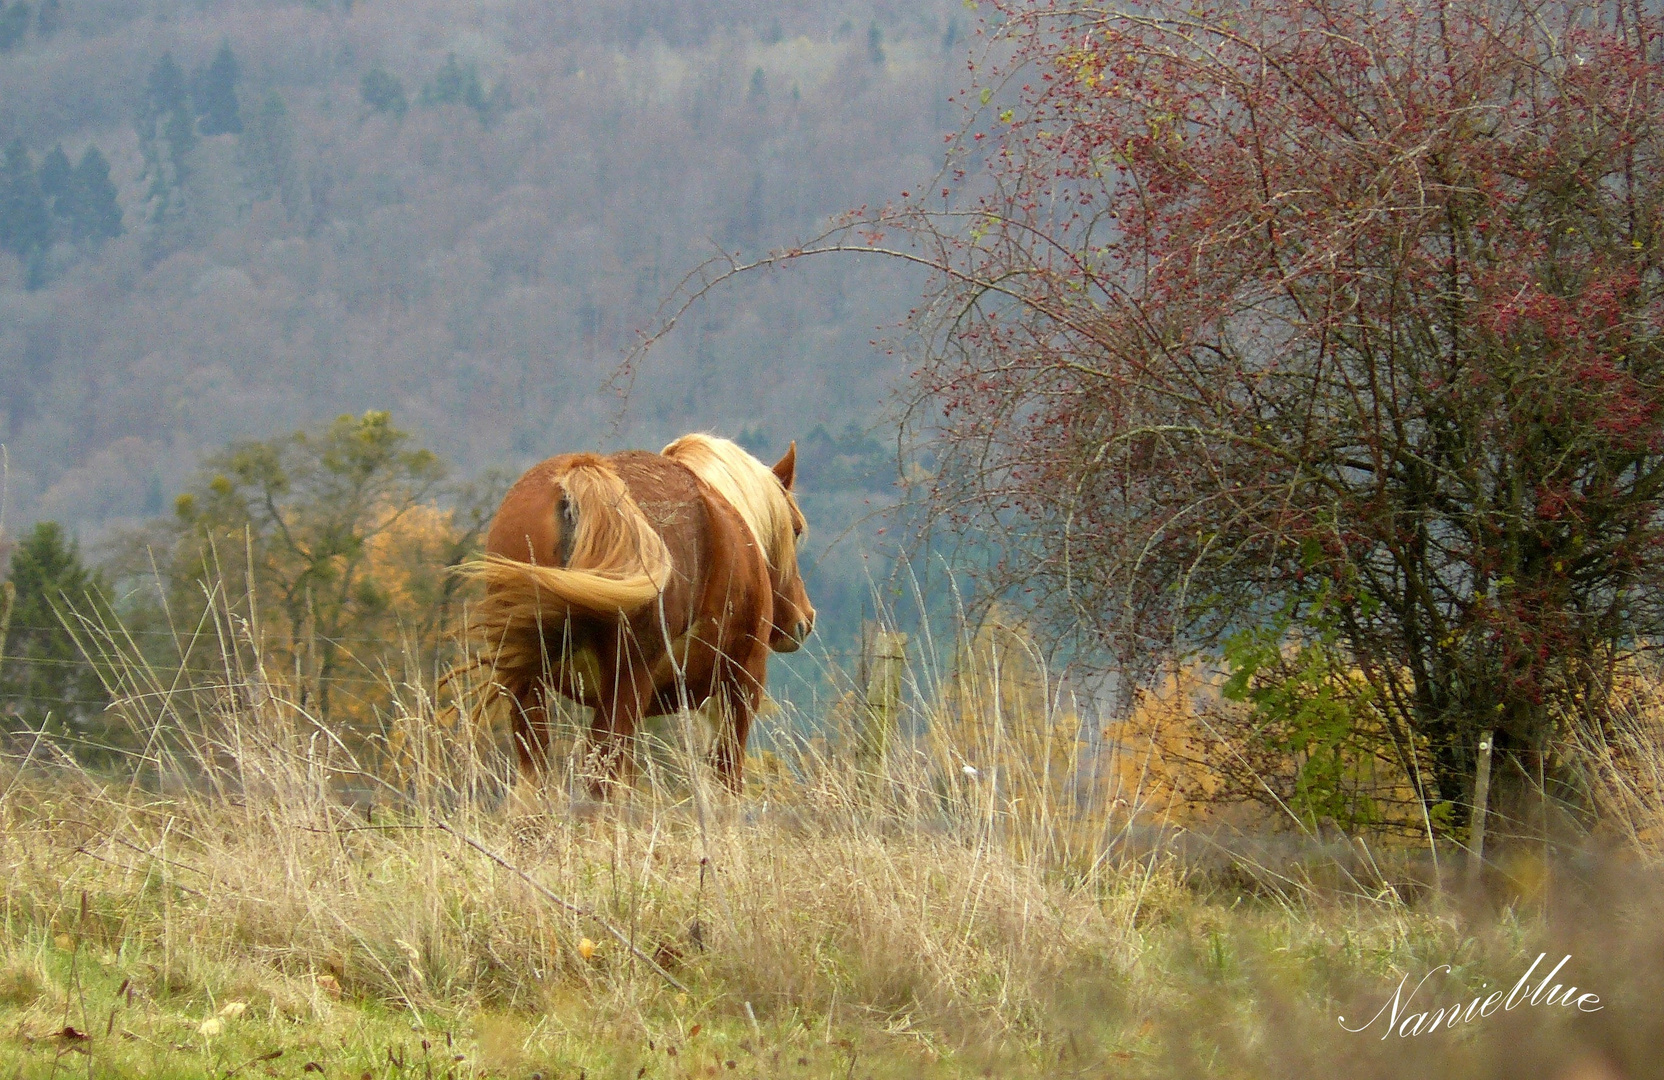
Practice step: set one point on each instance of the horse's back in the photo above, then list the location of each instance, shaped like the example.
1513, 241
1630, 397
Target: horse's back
670, 498
718, 572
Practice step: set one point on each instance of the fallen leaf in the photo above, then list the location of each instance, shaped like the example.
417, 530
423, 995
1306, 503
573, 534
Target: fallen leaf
586, 948
211, 1027
233, 1009
329, 984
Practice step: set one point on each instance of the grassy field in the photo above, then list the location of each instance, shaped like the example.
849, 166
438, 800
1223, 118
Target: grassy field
260, 898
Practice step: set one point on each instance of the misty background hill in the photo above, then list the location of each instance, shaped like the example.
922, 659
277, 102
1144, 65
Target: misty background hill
462, 214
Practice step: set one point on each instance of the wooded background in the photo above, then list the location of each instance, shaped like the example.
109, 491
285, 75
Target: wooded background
462, 217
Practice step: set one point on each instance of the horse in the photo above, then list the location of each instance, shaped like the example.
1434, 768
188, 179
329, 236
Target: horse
640, 584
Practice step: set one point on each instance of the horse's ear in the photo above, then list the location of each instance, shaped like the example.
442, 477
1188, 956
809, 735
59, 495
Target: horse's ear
786, 468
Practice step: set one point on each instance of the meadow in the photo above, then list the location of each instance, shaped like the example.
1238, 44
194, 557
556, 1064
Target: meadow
260, 892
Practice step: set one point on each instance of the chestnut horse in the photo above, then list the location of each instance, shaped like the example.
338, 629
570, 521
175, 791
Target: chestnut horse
640, 584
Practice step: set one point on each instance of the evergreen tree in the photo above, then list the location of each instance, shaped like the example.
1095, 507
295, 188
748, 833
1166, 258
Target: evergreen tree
216, 95
44, 679
455, 84
167, 134
383, 92
14, 23
24, 222
50, 19
56, 174
164, 90
268, 152
90, 204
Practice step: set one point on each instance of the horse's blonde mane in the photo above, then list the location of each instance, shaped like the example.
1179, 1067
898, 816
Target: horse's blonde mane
753, 490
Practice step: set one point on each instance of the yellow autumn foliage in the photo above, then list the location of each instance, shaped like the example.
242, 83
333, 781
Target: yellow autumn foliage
1007, 739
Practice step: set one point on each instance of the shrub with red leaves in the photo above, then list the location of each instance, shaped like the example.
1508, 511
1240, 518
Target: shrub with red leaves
1347, 309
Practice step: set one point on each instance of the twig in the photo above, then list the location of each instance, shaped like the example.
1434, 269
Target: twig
134, 870
269, 1055
562, 902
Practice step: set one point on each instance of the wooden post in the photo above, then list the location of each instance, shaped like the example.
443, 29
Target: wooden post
8, 596
1476, 823
885, 657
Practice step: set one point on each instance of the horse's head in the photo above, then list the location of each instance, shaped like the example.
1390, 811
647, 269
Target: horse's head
763, 497
794, 616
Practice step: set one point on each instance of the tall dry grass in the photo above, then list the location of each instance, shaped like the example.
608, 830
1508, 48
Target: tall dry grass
993, 893
405, 865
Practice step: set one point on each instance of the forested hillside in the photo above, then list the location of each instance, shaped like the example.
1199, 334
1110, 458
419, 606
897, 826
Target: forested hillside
233, 219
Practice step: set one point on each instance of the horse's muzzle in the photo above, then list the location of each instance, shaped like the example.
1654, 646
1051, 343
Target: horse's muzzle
793, 639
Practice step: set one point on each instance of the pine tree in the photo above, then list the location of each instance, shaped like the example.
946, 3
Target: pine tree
268, 152
44, 680
14, 24
455, 84
92, 208
167, 134
383, 92
24, 222
55, 176
216, 95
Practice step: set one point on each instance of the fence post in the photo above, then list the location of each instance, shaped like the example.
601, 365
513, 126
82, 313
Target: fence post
1476, 822
884, 657
8, 595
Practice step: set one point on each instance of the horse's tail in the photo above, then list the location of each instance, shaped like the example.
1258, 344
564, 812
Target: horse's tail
612, 564
615, 562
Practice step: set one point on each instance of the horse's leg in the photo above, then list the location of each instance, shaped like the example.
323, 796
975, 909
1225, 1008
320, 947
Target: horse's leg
739, 690
612, 733
530, 728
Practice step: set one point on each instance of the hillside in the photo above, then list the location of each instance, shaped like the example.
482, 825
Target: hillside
461, 215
